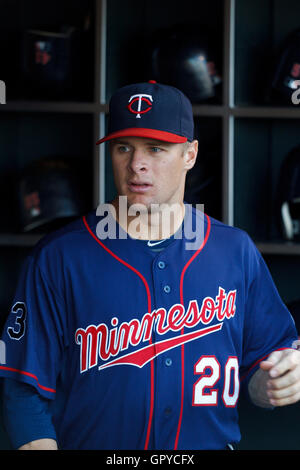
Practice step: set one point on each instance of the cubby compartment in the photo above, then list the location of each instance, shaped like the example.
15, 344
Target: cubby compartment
261, 147
264, 42
47, 49
34, 137
141, 30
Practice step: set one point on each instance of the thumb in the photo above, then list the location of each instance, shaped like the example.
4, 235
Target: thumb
271, 360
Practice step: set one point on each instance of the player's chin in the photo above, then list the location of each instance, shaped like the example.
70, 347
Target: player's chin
145, 200
142, 205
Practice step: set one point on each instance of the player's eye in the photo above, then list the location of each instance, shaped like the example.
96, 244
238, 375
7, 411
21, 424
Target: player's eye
156, 149
123, 148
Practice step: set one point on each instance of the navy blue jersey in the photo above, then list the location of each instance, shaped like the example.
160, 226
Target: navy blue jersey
142, 349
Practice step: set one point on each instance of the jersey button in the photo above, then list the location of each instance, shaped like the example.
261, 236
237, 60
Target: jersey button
161, 265
167, 289
168, 361
168, 411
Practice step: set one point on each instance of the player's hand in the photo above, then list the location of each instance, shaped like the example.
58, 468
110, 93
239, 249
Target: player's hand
283, 382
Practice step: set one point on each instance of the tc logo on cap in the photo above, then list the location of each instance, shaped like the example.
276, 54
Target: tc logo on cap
141, 99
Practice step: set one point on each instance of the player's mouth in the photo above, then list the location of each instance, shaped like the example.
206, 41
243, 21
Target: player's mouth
139, 187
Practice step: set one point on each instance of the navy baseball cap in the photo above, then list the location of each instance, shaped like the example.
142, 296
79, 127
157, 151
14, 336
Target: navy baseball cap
151, 110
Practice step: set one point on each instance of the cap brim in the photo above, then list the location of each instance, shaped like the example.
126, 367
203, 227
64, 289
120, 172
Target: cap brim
150, 133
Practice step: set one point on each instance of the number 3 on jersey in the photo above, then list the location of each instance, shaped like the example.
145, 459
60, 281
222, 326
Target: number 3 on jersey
204, 393
19, 309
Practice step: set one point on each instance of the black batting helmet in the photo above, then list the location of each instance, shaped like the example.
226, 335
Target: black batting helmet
188, 61
289, 195
49, 194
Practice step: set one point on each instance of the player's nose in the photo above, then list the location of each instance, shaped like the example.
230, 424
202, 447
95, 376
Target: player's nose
138, 161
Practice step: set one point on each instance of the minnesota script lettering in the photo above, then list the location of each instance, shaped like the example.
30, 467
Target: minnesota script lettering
99, 342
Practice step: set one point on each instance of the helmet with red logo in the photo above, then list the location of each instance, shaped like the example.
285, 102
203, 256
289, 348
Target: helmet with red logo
289, 195
287, 73
189, 61
49, 194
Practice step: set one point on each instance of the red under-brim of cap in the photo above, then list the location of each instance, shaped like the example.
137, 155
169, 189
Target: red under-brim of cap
141, 132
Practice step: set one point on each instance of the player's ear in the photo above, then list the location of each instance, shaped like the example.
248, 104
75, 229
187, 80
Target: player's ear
190, 154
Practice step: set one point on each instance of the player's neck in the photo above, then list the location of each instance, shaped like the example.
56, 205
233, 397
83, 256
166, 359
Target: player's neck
156, 223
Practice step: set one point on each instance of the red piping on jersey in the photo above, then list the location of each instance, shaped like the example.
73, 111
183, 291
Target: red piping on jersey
149, 310
29, 375
182, 331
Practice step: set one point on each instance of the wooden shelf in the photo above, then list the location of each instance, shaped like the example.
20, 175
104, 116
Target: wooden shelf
251, 112
209, 110
284, 248
21, 240
198, 109
53, 106
266, 112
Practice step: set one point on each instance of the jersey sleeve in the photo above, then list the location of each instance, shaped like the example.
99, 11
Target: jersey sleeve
268, 325
34, 331
26, 414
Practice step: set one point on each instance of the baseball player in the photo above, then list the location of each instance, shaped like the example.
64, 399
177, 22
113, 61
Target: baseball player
127, 332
